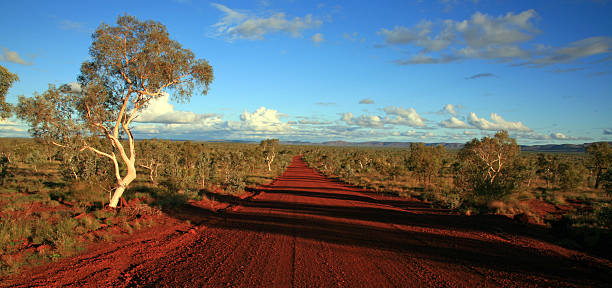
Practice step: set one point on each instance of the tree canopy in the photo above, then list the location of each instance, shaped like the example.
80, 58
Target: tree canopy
130, 64
488, 167
6, 81
600, 157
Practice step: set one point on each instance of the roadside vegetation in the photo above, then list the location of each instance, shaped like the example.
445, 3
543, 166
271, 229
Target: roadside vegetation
54, 202
569, 192
84, 178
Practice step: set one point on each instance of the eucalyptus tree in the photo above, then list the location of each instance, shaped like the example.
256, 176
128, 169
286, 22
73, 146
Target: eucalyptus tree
548, 167
153, 155
131, 63
600, 158
426, 161
268, 149
488, 167
6, 81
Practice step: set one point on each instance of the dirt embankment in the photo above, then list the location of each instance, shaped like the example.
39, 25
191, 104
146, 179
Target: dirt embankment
304, 230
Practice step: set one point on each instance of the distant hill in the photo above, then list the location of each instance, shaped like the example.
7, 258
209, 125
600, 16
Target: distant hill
577, 148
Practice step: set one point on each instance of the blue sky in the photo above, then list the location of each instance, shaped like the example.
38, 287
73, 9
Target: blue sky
430, 71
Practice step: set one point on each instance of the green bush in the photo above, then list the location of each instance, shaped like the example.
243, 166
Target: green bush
13, 232
572, 175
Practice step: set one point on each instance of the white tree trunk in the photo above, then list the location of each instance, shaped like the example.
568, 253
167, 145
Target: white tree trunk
123, 184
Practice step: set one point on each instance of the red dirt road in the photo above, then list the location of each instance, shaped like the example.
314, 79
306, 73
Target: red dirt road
305, 230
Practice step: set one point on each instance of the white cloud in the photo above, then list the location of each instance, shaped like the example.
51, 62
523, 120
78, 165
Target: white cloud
13, 57
10, 128
607, 131
317, 38
313, 122
450, 109
370, 121
504, 38
573, 51
561, 136
496, 123
558, 136
262, 119
262, 122
366, 101
240, 25
408, 117
73, 87
483, 30
421, 35
455, 123
160, 110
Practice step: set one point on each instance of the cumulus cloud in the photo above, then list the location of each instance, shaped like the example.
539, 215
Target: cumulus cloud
450, 109
10, 128
607, 132
366, 101
242, 25
559, 136
73, 87
455, 123
480, 75
503, 38
13, 57
160, 110
496, 123
262, 122
408, 117
262, 119
370, 121
317, 38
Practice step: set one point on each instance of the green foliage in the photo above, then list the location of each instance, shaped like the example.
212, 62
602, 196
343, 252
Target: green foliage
13, 232
606, 179
425, 161
268, 149
488, 167
600, 158
4, 169
6, 81
130, 64
572, 175
547, 167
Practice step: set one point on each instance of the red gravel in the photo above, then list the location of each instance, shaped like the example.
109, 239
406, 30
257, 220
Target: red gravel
305, 230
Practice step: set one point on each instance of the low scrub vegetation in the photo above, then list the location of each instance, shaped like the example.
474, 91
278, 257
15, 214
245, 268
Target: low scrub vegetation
488, 175
54, 200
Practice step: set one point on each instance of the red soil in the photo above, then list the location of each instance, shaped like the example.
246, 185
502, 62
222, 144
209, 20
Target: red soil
304, 230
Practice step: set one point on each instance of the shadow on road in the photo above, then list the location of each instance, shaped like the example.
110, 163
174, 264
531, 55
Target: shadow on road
344, 216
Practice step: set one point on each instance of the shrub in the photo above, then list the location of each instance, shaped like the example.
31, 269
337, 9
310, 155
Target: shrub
13, 232
571, 175
487, 168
